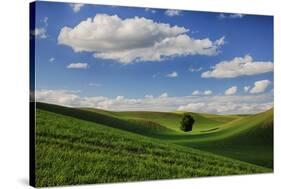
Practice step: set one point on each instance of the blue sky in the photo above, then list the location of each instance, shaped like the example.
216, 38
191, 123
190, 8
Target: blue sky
206, 52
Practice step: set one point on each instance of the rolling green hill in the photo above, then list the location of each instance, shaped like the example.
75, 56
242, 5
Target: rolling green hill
135, 126
245, 137
94, 146
248, 138
171, 120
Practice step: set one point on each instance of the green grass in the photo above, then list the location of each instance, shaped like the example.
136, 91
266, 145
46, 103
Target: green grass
170, 120
249, 139
80, 150
131, 125
75, 146
244, 137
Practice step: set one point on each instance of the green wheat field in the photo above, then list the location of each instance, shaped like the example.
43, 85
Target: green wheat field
85, 145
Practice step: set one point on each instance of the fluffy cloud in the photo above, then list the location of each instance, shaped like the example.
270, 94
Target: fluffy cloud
76, 6
197, 107
172, 75
231, 91
247, 88
78, 65
120, 98
239, 66
40, 33
196, 92
62, 97
220, 41
148, 96
206, 92
260, 86
229, 104
163, 95
133, 39
226, 107
209, 104
153, 11
171, 12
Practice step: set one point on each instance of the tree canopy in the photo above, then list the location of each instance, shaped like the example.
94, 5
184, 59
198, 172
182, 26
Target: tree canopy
187, 122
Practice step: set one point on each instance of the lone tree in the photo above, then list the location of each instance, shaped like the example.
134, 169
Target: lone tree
187, 122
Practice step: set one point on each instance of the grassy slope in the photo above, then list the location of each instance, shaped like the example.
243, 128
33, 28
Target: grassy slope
73, 151
170, 120
249, 139
240, 137
141, 127
244, 137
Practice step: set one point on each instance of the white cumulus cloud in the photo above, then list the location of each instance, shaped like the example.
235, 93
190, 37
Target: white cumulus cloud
224, 107
78, 65
163, 95
61, 97
153, 11
196, 92
260, 86
239, 66
246, 88
231, 91
209, 104
171, 12
40, 33
120, 98
76, 6
172, 75
133, 39
148, 96
206, 92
